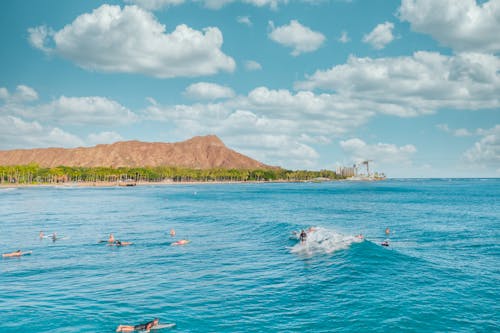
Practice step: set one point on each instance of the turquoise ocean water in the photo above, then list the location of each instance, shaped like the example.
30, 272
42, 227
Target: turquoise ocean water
242, 271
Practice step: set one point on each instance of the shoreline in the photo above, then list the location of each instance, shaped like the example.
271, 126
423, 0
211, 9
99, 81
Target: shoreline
142, 183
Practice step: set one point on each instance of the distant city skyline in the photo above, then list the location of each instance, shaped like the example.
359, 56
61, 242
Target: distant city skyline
413, 85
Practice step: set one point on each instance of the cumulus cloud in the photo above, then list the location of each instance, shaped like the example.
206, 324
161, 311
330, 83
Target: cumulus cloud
460, 132
344, 37
244, 20
417, 84
288, 123
486, 152
383, 153
464, 25
131, 40
380, 36
301, 38
20, 95
92, 110
208, 91
155, 4
103, 137
17, 133
252, 65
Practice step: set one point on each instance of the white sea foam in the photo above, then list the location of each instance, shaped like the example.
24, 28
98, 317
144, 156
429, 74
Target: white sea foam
324, 241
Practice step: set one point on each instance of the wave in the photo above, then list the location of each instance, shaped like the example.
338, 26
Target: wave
324, 241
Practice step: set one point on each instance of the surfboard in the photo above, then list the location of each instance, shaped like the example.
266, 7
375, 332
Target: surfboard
160, 327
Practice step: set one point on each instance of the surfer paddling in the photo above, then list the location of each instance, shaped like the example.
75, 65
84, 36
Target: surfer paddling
17, 253
141, 327
180, 242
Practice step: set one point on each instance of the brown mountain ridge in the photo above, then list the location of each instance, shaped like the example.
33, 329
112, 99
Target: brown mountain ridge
200, 152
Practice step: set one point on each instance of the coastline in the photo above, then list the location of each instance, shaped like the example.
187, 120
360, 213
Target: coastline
142, 183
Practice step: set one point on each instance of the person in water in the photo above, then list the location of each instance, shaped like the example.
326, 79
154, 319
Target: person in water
141, 327
181, 242
387, 231
17, 253
120, 243
172, 232
54, 237
40, 235
111, 239
303, 236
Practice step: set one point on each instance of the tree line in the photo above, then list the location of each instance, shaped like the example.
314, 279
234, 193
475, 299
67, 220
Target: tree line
34, 174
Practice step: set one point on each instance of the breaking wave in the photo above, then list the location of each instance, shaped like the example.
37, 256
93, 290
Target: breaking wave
324, 241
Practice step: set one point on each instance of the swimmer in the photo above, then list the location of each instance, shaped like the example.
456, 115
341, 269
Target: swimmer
180, 242
360, 236
54, 237
41, 235
141, 327
303, 236
111, 239
387, 231
172, 232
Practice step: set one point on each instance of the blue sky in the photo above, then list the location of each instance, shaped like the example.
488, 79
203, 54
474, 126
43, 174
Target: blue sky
413, 85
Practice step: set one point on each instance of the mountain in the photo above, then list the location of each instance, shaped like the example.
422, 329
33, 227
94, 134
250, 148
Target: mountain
200, 152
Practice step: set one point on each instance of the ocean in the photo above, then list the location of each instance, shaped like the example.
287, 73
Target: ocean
244, 270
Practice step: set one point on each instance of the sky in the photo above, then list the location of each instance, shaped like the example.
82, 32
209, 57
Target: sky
411, 85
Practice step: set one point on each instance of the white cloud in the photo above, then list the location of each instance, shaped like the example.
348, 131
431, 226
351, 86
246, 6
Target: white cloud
344, 37
155, 4
131, 40
244, 20
17, 133
301, 38
287, 123
464, 25
381, 153
380, 36
21, 95
413, 85
252, 65
208, 91
92, 110
460, 132
103, 137
40, 36
486, 152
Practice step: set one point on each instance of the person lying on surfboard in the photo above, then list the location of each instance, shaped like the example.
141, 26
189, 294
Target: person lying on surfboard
120, 243
17, 253
141, 327
180, 242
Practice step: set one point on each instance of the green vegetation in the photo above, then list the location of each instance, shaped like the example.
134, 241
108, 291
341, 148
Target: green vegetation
33, 174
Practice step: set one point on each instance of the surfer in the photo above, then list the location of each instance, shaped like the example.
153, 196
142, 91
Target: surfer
302, 236
172, 232
141, 327
120, 243
54, 237
385, 243
180, 242
17, 253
